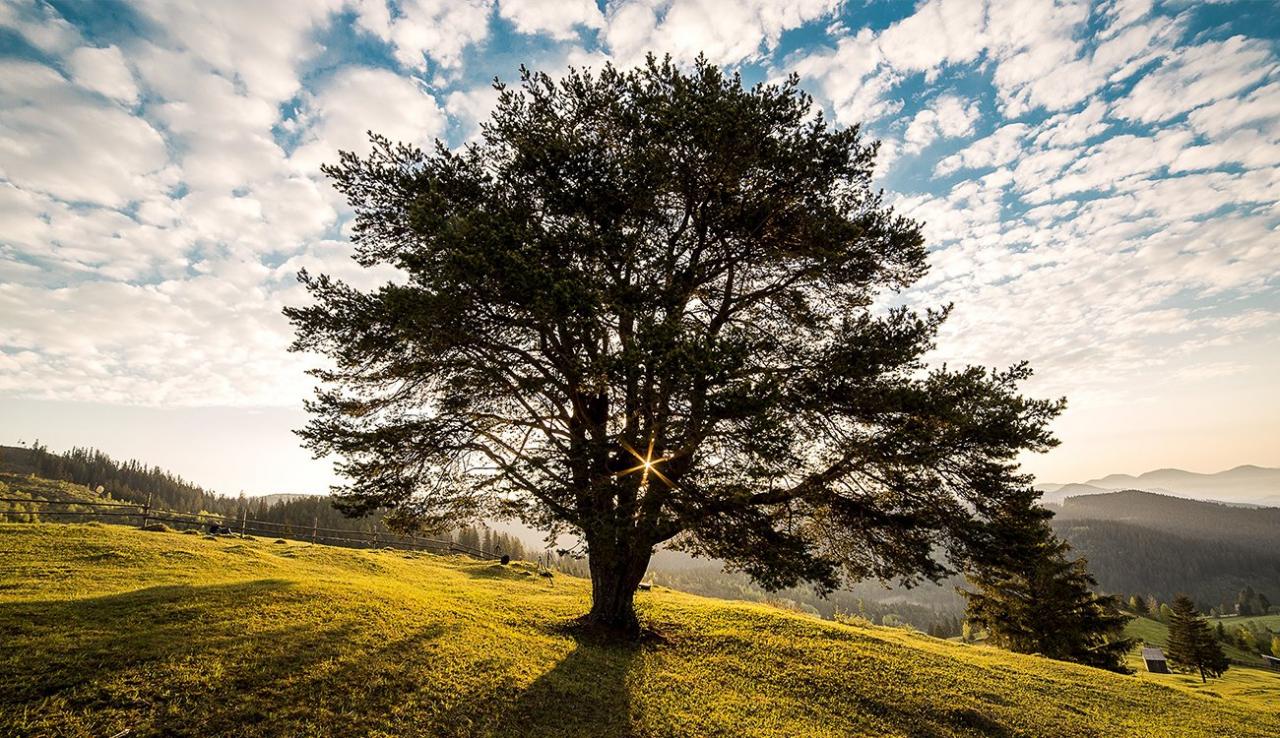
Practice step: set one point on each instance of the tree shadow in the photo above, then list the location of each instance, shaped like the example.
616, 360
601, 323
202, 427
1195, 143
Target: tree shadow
586, 694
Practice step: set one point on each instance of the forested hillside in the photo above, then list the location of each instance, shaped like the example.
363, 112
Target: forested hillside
1161, 545
1256, 528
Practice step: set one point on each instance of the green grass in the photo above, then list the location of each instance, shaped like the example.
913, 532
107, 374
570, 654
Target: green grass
31, 487
105, 628
1271, 622
1247, 680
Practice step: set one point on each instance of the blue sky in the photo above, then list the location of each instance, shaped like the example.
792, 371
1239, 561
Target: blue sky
1099, 183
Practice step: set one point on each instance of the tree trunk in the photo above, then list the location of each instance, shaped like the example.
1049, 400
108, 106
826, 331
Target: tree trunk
615, 574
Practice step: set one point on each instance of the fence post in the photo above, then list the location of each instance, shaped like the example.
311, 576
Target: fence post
315, 526
244, 516
146, 511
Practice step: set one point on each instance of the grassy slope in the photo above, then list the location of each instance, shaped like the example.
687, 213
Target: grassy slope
23, 486
1254, 684
104, 628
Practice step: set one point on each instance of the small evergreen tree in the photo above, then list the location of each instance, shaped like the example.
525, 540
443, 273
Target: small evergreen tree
1166, 613
1138, 605
1030, 597
1191, 646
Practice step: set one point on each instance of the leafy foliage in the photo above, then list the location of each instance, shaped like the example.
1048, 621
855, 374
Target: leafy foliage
642, 308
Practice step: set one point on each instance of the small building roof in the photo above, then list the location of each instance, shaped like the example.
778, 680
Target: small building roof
1152, 654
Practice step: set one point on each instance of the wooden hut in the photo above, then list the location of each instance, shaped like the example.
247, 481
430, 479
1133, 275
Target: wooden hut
1155, 661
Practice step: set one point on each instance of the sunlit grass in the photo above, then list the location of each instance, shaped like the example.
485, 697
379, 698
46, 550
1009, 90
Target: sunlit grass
107, 628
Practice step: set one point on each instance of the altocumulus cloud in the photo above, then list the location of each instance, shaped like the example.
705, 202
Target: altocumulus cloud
1099, 180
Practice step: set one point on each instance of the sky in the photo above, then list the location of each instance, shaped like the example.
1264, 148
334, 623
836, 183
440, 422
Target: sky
1098, 182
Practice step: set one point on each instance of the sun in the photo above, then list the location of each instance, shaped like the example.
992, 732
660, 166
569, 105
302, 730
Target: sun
647, 464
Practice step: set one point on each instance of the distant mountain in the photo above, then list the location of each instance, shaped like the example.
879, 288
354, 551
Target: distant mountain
276, 499
1257, 485
1056, 493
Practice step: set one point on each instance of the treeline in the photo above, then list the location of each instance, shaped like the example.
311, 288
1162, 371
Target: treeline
296, 517
1248, 602
129, 481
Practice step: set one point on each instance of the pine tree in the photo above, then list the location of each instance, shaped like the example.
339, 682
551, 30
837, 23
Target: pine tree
1032, 598
1138, 604
1166, 613
1191, 646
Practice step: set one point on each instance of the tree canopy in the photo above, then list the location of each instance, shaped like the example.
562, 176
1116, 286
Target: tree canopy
656, 306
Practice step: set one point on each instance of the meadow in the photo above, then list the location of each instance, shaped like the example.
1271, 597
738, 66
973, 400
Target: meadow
108, 628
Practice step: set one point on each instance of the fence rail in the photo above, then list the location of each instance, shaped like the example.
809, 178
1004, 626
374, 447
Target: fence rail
145, 513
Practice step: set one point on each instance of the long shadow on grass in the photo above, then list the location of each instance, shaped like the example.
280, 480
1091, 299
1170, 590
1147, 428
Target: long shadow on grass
585, 695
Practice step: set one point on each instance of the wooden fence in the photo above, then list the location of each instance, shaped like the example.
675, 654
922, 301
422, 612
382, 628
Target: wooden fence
143, 514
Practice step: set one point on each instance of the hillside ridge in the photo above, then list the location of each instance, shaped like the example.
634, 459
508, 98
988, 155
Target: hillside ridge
146, 631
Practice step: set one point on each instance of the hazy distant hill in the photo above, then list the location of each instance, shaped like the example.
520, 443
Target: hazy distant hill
1056, 493
1257, 485
281, 497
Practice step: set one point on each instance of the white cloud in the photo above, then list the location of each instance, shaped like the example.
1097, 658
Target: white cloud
471, 107
1197, 76
1037, 49
558, 18
1071, 129
259, 43
948, 116
1001, 147
103, 71
1260, 107
851, 77
418, 29
146, 252
56, 139
39, 25
939, 32
726, 31
362, 99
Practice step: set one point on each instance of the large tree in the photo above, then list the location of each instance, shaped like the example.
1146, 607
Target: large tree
1031, 596
655, 306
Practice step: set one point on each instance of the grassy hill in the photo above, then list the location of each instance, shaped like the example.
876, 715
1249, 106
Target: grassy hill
30, 487
107, 628
1247, 680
